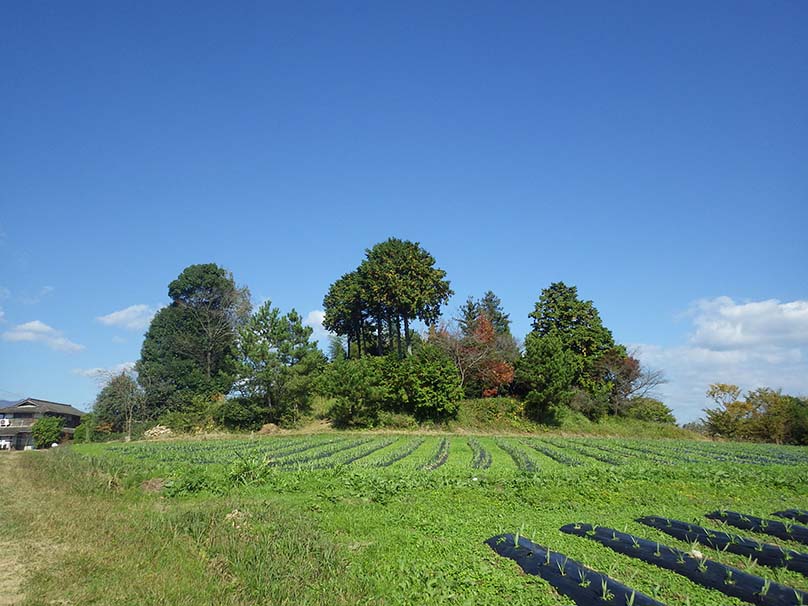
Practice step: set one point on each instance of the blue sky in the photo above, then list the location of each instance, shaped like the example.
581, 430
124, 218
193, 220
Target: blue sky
652, 154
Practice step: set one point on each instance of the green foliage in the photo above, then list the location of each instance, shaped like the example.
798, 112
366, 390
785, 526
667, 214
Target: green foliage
426, 384
764, 415
85, 431
561, 366
502, 414
119, 403
396, 420
190, 345
277, 363
546, 374
359, 390
650, 409
197, 415
576, 323
239, 413
46, 431
396, 284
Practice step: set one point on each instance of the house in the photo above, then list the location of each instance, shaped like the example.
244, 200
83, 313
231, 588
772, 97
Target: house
16, 421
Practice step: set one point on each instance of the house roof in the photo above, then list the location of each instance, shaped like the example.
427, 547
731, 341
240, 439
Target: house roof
35, 405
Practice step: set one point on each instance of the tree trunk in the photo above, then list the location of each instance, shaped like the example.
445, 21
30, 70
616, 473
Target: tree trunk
407, 336
398, 337
390, 330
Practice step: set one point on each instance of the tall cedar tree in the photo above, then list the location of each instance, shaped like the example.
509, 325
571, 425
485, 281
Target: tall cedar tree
190, 345
560, 365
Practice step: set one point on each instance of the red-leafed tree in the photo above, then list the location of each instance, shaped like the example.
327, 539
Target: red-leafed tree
479, 356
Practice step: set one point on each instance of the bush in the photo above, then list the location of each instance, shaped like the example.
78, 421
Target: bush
47, 431
396, 420
426, 384
239, 413
649, 409
357, 389
491, 413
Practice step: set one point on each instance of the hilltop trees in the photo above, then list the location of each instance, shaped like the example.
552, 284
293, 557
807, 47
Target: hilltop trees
374, 306
206, 359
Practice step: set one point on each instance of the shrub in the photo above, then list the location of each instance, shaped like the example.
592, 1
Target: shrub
426, 384
47, 431
239, 413
358, 390
396, 420
649, 409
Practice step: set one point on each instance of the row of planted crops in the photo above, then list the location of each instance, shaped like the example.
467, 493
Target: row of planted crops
432, 453
593, 518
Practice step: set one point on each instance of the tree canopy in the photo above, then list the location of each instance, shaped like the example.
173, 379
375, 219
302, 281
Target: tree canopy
189, 348
276, 362
562, 353
374, 306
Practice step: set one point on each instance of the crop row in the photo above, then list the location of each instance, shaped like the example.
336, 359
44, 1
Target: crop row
528, 454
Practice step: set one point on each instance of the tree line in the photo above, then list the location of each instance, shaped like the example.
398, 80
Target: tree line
762, 415
209, 358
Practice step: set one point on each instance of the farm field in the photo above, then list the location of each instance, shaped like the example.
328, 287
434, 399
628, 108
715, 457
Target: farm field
403, 519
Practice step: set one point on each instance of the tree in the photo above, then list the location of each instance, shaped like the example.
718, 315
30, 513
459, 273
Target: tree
727, 420
629, 379
276, 362
46, 431
483, 364
490, 307
577, 323
563, 354
190, 345
546, 375
375, 305
346, 311
120, 402
764, 415
776, 417
359, 389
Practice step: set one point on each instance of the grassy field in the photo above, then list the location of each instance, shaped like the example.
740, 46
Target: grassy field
342, 518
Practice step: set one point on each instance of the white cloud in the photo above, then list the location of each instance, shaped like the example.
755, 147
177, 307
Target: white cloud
723, 324
134, 317
315, 319
102, 373
2, 315
39, 332
753, 344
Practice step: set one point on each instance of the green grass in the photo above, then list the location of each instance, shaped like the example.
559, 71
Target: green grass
241, 531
